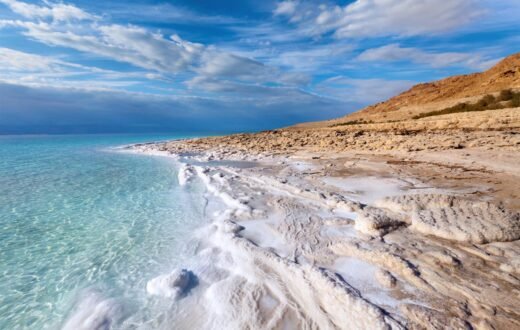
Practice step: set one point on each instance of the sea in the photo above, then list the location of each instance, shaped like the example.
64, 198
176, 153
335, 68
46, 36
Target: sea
84, 226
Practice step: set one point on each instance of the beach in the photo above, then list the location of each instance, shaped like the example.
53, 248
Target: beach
251, 165
354, 229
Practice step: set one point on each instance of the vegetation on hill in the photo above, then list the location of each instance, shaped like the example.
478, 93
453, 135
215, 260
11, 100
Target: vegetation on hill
504, 75
506, 99
406, 106
352, 122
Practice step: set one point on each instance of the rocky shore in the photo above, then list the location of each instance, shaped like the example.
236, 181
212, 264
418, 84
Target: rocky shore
363, 228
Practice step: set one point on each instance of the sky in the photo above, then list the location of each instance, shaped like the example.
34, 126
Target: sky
147, 66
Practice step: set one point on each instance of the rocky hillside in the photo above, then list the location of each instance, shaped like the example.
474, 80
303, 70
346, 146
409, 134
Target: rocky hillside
506, 74
438, 95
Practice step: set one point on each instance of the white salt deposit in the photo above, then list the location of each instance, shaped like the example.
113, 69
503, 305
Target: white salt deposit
260, 270
363, 277
172, 285
303, 166
217, 190
146, 149
367, 189
94, 311
374, 221
458, 219
339, 231
262, 234
185, 174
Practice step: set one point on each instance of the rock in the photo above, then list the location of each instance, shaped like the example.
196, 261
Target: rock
443, 258
375, 222
231, 227
386, 279
422, 317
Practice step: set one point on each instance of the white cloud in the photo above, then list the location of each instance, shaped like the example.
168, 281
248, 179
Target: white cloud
53, 11
219, 64
18, 61
311, 59
149, 50
128, 44
245, 91
363, 91
373, 18
166, 13
167, 55
28, 69
394, 52
219, 73
14, 61
286, 8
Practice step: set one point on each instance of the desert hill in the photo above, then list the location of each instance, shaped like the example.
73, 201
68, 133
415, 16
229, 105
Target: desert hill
437, 95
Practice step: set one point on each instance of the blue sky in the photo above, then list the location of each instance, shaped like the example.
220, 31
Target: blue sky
157, 66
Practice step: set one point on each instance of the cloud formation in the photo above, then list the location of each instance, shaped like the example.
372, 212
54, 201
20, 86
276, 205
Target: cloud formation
53, 11
37, 71
362, 90
394, 52
378, 18
16, 61
170, 55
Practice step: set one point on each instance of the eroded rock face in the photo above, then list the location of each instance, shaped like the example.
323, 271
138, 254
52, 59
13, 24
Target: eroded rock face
421, 317
459, 219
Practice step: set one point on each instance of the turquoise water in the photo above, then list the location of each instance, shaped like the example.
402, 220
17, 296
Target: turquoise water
76, 217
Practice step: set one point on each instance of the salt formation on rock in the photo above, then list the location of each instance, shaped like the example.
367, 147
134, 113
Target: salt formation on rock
185, 174
374, 221
172, 285
458, 219
385, 278
435, 259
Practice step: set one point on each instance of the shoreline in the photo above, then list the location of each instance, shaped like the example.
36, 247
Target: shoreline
321, 237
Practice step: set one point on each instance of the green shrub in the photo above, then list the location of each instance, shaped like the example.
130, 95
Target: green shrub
353, 122
488, 99
515, 101
495, 106
488, 102
506, 95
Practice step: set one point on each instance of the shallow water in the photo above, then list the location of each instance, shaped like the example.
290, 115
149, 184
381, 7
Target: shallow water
78, 219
